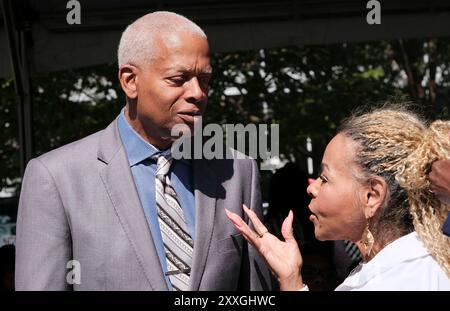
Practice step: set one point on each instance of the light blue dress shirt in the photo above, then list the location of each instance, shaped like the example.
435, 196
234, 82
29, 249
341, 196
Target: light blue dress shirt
143, 169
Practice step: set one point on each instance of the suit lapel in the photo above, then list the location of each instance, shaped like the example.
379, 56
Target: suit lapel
205, 184
119, 183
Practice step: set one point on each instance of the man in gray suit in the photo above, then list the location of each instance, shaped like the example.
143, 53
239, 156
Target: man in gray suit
89, 214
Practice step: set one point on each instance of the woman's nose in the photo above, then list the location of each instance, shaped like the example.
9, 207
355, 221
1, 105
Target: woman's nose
312, 189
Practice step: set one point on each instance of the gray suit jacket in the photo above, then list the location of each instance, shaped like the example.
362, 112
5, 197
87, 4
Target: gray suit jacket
80, 202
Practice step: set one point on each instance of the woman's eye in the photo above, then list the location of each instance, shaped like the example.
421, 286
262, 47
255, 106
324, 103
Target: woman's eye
323, 179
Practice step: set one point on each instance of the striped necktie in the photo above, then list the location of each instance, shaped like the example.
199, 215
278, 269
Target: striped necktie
178, 244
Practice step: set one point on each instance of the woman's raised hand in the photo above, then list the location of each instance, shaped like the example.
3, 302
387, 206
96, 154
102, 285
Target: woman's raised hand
283, 258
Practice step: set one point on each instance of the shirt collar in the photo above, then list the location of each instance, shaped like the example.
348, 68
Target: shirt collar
136, 147
406, 248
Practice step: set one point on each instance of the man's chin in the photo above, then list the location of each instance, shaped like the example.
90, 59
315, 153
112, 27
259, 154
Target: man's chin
186, 127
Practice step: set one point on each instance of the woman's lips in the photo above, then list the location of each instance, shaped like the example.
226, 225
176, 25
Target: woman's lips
313, 216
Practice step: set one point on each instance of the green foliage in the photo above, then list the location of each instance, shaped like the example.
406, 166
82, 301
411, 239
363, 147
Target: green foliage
73, 104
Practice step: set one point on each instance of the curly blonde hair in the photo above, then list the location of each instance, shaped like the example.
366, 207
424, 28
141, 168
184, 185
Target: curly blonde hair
396, 144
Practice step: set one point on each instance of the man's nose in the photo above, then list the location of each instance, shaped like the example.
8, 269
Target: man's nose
194, 90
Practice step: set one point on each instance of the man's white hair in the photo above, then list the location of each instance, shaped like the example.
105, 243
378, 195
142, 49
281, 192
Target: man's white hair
137, 43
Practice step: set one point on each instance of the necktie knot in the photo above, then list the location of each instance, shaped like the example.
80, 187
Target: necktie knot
163, 163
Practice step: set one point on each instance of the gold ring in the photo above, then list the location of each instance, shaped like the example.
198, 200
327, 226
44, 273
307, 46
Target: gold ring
262, 234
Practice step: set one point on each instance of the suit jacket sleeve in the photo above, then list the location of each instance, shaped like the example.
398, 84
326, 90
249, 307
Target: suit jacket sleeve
43, 244
259, 273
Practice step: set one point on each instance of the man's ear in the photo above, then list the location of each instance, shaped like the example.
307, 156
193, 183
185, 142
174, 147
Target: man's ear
376, 193
128, 80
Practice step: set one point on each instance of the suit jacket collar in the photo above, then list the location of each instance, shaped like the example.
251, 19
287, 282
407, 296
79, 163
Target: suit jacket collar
109, 143
119, 183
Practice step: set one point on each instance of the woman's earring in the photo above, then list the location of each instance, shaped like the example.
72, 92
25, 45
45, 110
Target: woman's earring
367, 240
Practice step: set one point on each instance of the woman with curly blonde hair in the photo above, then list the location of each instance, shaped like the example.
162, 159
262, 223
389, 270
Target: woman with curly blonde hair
373, 190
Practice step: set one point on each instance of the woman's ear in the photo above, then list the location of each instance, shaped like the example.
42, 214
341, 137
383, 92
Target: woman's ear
128, 80
375, 195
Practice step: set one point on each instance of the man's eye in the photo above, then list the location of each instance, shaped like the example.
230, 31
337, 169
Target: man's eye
204, 80
177, 79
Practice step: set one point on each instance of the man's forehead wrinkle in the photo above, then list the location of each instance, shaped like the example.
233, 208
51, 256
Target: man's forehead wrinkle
192, 66
171, 68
